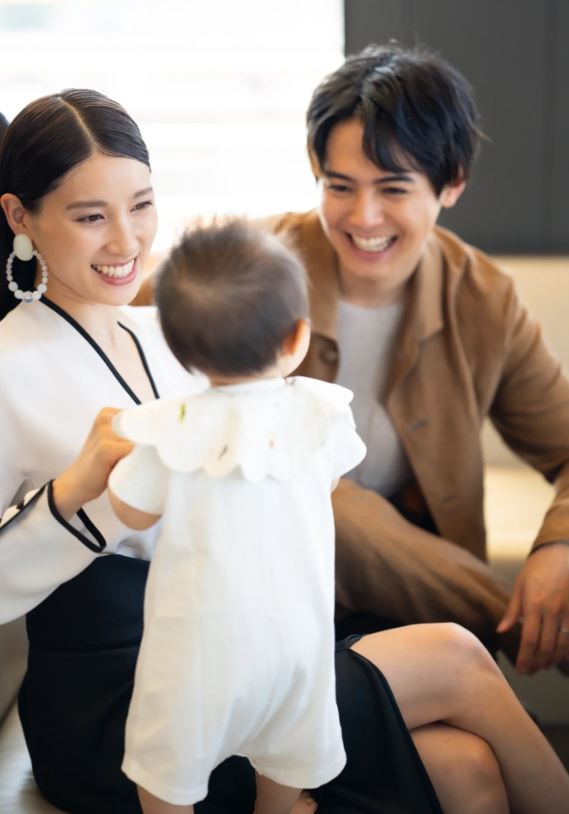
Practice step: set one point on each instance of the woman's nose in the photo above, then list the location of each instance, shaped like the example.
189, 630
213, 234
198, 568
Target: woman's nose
123, 240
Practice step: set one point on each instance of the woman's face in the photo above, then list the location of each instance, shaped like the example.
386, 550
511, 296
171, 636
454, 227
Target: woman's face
377, 221
95, 231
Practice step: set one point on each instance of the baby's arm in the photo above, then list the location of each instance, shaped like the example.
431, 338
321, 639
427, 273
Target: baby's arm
131, 517
137, 488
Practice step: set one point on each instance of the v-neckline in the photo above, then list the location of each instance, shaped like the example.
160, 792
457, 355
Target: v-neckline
101, 353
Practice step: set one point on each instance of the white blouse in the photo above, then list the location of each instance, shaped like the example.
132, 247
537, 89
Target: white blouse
55, 379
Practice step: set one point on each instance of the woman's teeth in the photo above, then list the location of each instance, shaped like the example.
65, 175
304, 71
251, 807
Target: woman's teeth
115, 271
372, 244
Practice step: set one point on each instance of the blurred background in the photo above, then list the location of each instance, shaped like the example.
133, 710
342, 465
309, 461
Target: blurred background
220, 87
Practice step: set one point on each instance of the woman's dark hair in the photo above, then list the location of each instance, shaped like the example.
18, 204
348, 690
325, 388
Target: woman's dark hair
415, 108
228, 295
3, 125
47, 139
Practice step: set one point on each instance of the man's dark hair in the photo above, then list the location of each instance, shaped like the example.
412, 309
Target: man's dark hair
418, 113
228, 295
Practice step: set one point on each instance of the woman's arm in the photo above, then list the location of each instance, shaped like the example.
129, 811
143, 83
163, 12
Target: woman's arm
48, 537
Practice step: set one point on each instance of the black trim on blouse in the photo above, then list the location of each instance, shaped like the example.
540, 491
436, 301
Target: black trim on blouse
97, 547
97, 348
136, 341
100, 543
22, 506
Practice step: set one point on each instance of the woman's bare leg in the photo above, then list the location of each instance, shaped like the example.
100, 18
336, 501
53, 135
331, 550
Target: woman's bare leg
153, 805
441, 673
463, 770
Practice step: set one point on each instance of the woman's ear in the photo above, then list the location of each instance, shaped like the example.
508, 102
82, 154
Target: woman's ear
14, 211
451, 193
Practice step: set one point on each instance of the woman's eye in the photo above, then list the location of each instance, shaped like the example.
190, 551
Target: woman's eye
89, 218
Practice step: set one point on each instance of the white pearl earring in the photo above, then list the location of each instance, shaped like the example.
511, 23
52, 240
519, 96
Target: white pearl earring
24, 250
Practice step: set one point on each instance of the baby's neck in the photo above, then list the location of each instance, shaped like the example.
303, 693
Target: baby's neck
218, 380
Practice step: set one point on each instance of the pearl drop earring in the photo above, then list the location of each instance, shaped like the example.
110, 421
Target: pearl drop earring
24, 250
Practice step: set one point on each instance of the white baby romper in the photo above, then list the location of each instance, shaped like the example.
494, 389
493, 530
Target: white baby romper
237, 655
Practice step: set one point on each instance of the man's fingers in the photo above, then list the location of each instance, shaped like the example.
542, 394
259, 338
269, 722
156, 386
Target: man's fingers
531, 629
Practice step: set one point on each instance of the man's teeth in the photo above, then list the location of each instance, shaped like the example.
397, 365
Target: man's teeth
372, 244
115, 271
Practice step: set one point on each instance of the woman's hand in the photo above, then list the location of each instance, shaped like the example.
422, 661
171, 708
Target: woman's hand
87, 476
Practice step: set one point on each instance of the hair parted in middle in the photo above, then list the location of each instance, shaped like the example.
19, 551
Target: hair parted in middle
228, 295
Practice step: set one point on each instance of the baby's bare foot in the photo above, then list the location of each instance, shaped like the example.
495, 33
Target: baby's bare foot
305, 805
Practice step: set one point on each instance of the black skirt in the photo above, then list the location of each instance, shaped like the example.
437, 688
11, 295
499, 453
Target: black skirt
74, 701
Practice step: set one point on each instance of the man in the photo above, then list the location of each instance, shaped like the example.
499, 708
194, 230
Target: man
430, 336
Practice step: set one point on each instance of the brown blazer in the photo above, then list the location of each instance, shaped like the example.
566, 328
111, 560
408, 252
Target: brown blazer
468, 350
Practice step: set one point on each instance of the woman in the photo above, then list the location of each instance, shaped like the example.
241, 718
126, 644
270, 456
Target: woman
75, 188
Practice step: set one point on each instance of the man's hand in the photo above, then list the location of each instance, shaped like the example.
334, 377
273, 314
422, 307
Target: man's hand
540, 601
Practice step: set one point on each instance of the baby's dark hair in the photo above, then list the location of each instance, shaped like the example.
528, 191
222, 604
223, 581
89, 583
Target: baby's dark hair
228, 295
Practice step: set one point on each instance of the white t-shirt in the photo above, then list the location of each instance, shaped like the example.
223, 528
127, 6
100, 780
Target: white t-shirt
237, 654
55, 380
367, 341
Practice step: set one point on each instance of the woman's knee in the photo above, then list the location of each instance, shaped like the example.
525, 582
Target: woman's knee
463, 769
480, 778
464, 649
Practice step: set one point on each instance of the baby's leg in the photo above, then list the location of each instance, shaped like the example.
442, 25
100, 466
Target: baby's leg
272, 798
306, 804
153, 805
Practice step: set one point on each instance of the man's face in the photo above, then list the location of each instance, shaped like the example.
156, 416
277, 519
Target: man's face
377, 221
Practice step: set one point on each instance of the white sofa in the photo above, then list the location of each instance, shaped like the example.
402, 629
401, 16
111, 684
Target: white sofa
515, 502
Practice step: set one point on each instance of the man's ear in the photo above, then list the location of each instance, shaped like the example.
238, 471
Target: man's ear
14, 211
451, 193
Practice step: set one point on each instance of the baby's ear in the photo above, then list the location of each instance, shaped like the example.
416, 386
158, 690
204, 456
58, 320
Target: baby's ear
295, 339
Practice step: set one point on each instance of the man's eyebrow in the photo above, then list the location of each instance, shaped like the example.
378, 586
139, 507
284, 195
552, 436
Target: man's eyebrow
99, 203
385, 179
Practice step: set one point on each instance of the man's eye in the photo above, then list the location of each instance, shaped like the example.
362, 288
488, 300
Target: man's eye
338, 188
143, 205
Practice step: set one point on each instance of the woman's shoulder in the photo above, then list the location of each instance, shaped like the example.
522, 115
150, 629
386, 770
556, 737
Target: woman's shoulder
22, 332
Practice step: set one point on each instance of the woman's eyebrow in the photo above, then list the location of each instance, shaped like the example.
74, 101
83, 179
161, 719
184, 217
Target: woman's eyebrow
87, 204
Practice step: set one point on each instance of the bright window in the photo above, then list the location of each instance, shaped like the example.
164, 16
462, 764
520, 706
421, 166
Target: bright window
218, 87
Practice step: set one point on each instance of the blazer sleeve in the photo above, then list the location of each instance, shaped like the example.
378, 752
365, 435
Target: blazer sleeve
531, 411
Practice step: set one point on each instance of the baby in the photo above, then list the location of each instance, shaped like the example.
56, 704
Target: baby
237, 656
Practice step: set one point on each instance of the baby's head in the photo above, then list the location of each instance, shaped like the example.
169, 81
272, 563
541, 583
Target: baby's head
233, 302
